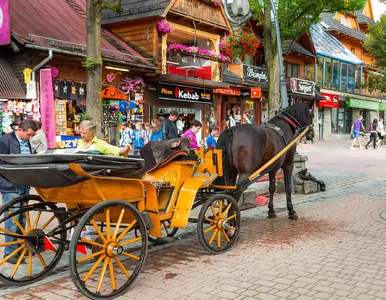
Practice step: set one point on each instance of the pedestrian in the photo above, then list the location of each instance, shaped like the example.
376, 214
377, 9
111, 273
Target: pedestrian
138, 136
237, 117
156, 133
211, 141
148, 129
355, 129
373, 129
381, 132
195, 127
125, 135
39, 141
169, 127
90, 142
16, 142
180, 125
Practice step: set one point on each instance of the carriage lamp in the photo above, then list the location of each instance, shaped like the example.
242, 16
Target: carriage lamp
240, 8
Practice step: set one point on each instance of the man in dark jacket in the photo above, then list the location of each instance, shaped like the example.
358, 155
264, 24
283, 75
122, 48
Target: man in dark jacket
169, 126
16, 142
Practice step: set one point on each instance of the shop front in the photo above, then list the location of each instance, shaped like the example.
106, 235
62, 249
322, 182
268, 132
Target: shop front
368, 109
190, 102
325, 106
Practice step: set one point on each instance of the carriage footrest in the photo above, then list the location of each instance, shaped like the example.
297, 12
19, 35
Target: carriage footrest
147, 220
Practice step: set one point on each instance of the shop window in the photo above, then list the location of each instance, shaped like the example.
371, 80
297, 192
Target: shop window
249, 112
327, 79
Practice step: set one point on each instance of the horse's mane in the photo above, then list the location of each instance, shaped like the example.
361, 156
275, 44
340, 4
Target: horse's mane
223, 143
298, 111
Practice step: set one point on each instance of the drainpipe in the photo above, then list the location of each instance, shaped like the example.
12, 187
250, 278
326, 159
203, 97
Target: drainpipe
42, 63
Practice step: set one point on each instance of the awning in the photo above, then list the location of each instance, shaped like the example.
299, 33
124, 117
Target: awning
10, 87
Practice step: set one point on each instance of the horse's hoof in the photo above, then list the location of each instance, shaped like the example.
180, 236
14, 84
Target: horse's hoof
271, 215
294, 216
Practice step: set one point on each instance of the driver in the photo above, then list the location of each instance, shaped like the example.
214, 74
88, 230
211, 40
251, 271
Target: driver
89, 141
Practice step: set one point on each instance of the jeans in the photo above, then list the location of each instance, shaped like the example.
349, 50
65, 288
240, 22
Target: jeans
9, 223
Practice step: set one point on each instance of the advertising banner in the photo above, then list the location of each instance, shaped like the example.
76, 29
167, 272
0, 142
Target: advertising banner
330, 100
47, 107
302, 86
5, 24
255, 74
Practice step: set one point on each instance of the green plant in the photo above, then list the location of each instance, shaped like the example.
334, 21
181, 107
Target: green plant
91, 63
86, 117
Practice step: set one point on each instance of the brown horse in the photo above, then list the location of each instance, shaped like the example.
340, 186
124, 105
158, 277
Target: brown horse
248, 147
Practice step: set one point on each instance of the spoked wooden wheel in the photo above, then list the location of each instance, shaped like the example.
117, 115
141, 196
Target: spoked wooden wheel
106, 259
167, 231
37, 242
218, 223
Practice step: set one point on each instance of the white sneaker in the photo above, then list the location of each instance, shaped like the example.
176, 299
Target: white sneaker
352, 148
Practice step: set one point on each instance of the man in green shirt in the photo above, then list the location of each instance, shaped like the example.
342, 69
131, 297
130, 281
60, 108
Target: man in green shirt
89, 141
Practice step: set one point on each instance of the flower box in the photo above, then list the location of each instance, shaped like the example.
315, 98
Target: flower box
197, 52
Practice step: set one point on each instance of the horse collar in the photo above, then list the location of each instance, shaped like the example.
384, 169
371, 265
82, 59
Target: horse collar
292, 123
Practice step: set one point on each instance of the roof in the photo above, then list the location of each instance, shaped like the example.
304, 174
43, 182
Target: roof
10, 87
362, 19
231, 77
328, 45
134, 10
61, 24
333, 25
290, 45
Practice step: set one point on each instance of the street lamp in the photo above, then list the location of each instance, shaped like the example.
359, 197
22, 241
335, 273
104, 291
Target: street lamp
241, 8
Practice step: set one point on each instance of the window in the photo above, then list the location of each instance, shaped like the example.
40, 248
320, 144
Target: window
343, 20
353, 50
320, 71
291, 70
327, 79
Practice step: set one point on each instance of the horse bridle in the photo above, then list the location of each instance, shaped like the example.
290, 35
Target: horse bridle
292, 121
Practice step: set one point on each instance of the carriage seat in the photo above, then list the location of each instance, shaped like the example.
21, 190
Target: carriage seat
158, 153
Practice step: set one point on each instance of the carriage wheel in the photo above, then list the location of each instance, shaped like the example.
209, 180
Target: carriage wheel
36, 247
218, 223
105, 262
167, 231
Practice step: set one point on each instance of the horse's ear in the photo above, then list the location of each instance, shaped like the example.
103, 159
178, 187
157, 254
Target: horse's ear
312, 102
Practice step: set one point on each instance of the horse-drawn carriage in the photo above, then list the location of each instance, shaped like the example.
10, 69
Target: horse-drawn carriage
104, 210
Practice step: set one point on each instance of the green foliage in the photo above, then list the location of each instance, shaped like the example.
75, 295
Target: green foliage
86, 117
91, 63
297, 16
376, 44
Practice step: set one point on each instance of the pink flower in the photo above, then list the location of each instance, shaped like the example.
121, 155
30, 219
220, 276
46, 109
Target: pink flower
163, 26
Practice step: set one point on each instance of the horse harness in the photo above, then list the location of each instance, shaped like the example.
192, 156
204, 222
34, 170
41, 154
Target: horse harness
290, 120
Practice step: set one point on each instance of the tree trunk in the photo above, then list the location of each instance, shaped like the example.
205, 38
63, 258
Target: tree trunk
94, 62
271, 61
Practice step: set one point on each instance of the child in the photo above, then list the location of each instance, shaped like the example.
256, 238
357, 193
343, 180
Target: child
125, 138
156, 133
138, 136
213, 134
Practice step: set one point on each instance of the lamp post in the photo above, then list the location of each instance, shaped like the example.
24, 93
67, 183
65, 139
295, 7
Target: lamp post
241, 8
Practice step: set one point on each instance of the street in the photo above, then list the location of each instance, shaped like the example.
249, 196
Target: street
335, 250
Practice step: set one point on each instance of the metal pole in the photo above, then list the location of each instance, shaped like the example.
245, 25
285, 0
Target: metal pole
283, 85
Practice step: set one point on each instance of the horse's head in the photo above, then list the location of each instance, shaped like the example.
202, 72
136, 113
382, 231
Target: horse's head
304, 115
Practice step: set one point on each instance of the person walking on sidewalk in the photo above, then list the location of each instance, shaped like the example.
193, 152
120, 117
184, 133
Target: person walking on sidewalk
373, 134
355, 129
17, 142
381, 132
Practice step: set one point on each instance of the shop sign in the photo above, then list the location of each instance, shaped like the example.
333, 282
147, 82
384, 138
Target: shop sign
68, 142
255, 92
382, 106
245, 93
5, 25
255, 74
112, 92
330, 100
230, 91
184, 93
47, 107
301, 86
357, 103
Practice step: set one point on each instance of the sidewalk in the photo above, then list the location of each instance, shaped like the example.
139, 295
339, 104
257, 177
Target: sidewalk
336, 249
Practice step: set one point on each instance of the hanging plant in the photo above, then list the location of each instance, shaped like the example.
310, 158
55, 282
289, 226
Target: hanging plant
241, 43
222, 45
164, 26
195, 51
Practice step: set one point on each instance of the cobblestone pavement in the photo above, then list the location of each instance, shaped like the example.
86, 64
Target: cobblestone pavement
335, 250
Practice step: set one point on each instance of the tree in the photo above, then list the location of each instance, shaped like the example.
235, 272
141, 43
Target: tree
376, 45
295, 18
93, 62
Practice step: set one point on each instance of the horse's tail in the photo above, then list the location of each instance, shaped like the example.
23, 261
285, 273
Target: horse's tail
224, 143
